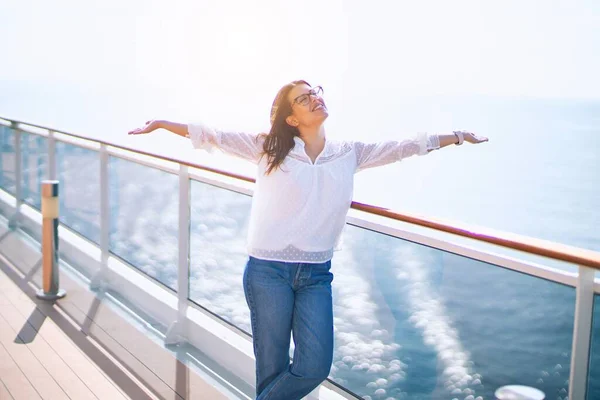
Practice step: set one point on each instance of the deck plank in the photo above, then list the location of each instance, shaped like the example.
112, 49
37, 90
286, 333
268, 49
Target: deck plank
4, 393
24, 358
13, 378
46, 354
82, 366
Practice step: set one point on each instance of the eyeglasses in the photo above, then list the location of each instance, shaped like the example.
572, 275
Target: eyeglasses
304, 99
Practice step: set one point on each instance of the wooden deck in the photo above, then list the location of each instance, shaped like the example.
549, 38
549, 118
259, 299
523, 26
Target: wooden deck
79, 347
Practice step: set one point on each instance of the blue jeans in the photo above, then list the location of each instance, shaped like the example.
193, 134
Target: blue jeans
289, 298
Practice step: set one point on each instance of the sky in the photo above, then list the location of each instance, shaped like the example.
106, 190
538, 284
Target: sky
123, 62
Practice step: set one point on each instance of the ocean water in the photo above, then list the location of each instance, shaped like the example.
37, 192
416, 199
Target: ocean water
411, 322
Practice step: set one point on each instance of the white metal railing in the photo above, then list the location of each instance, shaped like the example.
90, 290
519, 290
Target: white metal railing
583, 281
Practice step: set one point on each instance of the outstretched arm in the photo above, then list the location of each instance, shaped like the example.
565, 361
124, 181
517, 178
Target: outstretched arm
459, 137
243, 145
150, 126
369, 155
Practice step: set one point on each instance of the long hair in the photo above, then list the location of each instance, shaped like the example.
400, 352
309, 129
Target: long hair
280, 139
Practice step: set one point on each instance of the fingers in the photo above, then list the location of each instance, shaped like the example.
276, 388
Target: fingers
473, 138
480, 139
140, 131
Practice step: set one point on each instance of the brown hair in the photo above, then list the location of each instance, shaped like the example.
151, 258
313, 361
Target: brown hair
280, 139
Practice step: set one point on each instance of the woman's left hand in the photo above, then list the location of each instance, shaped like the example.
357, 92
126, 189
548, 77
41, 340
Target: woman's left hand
473, 138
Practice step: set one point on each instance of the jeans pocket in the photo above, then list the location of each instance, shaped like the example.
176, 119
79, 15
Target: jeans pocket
265, 273
321, 273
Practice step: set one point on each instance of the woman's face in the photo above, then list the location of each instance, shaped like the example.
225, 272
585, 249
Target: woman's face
308, 107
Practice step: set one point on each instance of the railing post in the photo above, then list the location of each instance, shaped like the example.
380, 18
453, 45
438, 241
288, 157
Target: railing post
51, 155
177, 330
14, 220
582, 331
25, 167
3, 146
50, 289
98, 280
39, 165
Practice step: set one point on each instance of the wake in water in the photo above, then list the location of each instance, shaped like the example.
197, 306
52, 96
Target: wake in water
428, 314
368, 306
365, 358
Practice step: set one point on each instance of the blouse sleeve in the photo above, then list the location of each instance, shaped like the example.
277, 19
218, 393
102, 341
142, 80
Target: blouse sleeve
244, 145
369, 155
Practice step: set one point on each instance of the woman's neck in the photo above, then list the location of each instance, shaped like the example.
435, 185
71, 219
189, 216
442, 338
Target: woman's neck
313, 137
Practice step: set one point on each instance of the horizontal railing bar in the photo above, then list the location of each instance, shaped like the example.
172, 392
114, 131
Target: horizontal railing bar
193, 175
32, 130
147, 163
513, 241
63, 137
86, 144
210, 178
221, 184
531, 245
484, 256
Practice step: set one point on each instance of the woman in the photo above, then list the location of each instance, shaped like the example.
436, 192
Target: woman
303, 192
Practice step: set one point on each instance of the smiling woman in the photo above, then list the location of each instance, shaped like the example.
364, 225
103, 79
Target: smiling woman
303, 192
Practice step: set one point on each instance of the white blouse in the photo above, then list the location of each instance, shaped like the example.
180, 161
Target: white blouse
299, 210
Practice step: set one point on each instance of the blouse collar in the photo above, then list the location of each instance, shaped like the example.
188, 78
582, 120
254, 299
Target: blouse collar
299, 141
300, 148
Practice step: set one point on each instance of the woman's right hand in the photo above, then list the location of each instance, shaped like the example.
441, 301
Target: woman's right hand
149, 127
